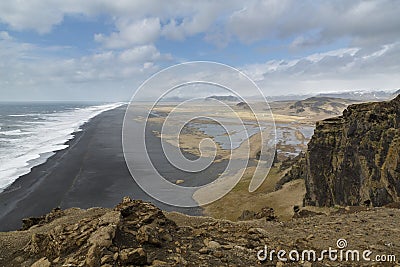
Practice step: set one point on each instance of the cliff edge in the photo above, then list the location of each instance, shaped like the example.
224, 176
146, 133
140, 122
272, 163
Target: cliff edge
354, 159
136, 233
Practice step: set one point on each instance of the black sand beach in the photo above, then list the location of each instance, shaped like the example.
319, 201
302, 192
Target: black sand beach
91, 172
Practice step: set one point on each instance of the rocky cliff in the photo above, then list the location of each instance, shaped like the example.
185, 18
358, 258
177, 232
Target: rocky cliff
136, 233
354, 159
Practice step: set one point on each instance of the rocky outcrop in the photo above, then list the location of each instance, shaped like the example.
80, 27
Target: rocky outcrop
266, 212
37, 221
243, 105
354, 159
137, 233
122, 237
224, 98
134, 233
328, 105
296, 170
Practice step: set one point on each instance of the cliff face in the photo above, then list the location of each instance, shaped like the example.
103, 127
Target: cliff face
354, 159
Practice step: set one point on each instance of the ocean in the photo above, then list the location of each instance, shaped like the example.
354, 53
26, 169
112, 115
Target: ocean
31, 132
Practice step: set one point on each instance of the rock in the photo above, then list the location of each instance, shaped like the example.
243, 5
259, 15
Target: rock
93, 256
296, 209
247, 215
306, 213
148, 234
43, 262
36, 244
297, 166
266, 212
227, 247
354, 159
258, 231
180, 260
73, 239
33, 221
133, 256
218, 254
29, 222
70, 261
126, 199
309, 237
166, 237
103, 236
393, 205
213, 245
19, 259
203, 250
115, 256
158, 263
106, 259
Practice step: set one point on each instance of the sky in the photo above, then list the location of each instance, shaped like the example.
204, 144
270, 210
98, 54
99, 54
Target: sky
103, 50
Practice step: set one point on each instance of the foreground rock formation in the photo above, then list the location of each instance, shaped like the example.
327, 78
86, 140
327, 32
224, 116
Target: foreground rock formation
354, 159
136, 233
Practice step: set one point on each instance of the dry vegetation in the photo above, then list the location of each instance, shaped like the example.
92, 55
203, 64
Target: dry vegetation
298, 113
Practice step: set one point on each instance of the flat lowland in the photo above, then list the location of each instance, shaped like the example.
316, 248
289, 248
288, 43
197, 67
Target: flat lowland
294, 121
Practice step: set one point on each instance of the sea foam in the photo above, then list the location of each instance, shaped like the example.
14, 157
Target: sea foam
22, 149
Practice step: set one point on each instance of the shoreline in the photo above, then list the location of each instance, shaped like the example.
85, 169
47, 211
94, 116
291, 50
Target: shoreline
90, 172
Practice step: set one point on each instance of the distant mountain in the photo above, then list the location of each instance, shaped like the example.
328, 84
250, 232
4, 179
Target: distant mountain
396, 93
225, 98
243, 105
327, 105
173, 99
288, 97
360, 95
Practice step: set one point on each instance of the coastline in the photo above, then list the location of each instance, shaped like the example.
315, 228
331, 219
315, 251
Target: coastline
91, 172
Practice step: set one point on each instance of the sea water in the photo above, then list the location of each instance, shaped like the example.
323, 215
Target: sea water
31, 132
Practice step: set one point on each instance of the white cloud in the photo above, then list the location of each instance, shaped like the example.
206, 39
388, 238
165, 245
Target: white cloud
342, 69
311, 23
17, 15
137, 22
257, 20
369, 28
5, 36
31, 72
131, 33
199, 19
173, 31
140, 53
109, 65
308, 23
143, 53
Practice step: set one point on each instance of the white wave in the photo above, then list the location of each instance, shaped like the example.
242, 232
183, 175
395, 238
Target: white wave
24, 115
43, 140
14, 132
